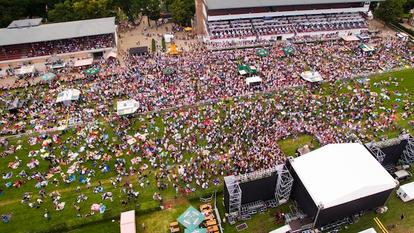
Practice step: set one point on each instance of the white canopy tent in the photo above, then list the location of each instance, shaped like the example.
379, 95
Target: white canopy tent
110, 54
406, 192
370, 230
68, 95
283, 229
126, 107
83, 62
339, 173
27, 69
128, 222
350, 38
253, 80
311, 76
168, 37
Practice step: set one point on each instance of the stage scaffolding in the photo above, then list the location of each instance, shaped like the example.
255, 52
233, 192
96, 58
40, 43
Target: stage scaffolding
283, 188
408, 153
235, 195
376, 151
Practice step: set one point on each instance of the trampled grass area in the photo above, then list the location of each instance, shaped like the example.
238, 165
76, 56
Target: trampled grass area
291, 144
148, 213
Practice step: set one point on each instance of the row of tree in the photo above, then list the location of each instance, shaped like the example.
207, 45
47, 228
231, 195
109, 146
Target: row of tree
67, 10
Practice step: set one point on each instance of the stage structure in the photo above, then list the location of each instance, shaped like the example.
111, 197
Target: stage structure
337, 181
393, 151
249, 193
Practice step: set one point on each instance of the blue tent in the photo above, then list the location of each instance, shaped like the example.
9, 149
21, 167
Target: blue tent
191, 218
48, 76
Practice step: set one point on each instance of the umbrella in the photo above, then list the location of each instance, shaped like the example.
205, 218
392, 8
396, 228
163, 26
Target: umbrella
48, 76
262, 52
91, 71
168, 71
102, 209
95, 207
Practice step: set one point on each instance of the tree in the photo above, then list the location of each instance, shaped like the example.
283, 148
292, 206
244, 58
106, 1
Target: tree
81, 9
152, 9
153, 45
390, 10
132, 8
182, 11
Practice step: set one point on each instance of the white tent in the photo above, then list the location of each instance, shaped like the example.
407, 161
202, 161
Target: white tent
311, 76
110, 54
83, 62
253, 80
128, 222
350, 38
126, 107
406, 192
68, 95
370, 230
27, 69
283, 229
168, 37
340, 173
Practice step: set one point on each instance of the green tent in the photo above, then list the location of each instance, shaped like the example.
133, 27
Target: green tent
246, 69
168, 71
91, 71
48, 76
262, 52
288, 50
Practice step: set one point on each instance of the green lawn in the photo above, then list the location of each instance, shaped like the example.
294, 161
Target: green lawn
148, 213
291, 144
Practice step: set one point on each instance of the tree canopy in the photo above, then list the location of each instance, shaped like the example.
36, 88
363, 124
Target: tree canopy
182, 11
68, 10
390, 10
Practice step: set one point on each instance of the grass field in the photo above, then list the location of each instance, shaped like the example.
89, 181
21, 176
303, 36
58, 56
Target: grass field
149, 217
290, 145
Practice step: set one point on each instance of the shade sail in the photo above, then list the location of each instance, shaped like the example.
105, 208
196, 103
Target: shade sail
191, 218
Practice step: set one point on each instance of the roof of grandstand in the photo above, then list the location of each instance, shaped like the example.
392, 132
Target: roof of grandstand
57, 31
229, 4
23, 23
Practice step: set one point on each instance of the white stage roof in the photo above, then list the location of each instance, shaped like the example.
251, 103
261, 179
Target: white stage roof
68, 95
126, 107
83, 62
229, 4
340, 173
311, 76
57, 31
128, 222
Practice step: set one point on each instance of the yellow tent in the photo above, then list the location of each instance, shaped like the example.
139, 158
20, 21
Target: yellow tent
188, 29
172, 49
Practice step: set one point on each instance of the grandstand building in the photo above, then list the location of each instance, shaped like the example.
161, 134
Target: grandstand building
26, 40
237, 20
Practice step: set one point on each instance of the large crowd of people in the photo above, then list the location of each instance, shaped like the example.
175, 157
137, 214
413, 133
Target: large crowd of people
197, 120
56, 47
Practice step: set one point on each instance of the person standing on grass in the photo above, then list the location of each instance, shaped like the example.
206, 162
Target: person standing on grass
402, 216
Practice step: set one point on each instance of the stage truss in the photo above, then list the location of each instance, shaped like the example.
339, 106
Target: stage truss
283, 186
376, 151
408, 153
235, 195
